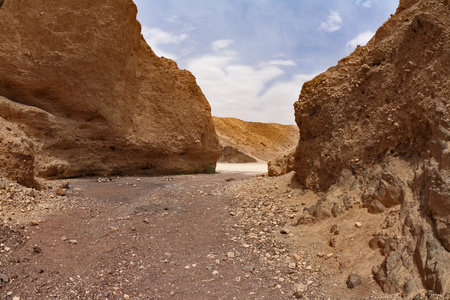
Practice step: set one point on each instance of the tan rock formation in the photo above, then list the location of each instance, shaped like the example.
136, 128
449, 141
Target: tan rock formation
263, 141
233, 155
281, 165
375, 132
82, 85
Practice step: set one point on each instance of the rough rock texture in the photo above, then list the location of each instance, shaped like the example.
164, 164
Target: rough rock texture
91, 97
263, 141
375, 133
281, 165
233, 155
16, 155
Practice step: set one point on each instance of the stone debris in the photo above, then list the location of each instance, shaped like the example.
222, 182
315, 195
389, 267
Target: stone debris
353, 280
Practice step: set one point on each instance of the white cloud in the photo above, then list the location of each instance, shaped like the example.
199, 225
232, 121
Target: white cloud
282, 62
361, 39
333, 22
156, 37
221, 44
252, 93
364, 3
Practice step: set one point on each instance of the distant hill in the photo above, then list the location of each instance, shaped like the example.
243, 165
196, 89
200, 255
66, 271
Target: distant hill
263, 141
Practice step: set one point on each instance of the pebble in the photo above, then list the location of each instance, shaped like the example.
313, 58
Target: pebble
60, 192
299, 289
37, 249
358, 224
296, 256
248, 269
230, 254
353, 280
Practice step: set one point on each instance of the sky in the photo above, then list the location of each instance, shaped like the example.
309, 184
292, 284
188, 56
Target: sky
251, 57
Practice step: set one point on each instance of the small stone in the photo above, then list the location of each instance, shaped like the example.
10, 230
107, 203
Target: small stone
126, 296
4, 278
34, 222
299, 289
284, 231
72, 242
333, 242
230, 254
37, 249
296, 256
60, 192
358, 225
248, 269
353, 280
215, 272
334, 228
64, 185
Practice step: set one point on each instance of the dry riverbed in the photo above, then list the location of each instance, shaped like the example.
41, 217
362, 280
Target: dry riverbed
229, 235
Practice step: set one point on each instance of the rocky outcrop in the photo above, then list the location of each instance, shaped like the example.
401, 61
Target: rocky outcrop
263, 141
281, 165
233, 155
375, 133
90, 97
16, 155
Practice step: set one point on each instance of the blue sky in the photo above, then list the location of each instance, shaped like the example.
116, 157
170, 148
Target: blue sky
251, 57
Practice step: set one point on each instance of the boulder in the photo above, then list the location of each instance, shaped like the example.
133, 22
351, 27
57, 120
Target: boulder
91, 97
281, 165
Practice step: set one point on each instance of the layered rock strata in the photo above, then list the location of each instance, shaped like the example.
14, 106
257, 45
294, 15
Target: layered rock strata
82, 86
375, 133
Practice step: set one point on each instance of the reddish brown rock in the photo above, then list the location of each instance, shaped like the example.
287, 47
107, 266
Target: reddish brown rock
83, 86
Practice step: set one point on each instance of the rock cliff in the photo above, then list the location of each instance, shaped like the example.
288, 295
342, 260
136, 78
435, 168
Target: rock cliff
375, 133
263, 141
79, 83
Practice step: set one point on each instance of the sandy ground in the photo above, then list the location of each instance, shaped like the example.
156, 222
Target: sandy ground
248, 168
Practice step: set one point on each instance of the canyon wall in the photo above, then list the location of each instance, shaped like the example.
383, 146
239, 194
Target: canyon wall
375, 133
84, 94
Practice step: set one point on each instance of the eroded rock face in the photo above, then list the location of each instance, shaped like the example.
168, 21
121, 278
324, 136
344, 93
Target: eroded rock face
83, 86
375, 133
